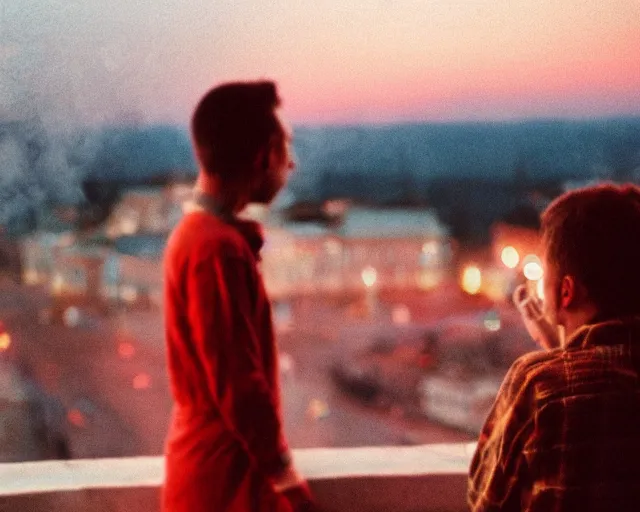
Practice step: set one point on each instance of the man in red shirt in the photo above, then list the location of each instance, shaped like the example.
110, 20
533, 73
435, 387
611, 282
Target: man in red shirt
226, 450
564, 432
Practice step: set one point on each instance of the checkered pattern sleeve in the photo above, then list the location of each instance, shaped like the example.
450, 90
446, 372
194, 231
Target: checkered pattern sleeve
499, 465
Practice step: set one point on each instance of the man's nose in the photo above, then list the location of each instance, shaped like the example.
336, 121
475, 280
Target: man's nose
293, 159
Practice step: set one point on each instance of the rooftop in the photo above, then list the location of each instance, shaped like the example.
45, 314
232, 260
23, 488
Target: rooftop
362, 222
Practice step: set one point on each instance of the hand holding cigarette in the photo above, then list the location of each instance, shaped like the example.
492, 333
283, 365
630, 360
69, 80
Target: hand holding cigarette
538, 327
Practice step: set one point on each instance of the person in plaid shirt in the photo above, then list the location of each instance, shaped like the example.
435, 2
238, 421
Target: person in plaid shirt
564, 431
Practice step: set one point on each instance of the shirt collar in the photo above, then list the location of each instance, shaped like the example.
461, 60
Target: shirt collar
250, 230
610, 332
208, 203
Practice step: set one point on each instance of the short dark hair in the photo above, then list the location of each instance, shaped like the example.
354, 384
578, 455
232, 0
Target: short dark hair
593, 234
231, 124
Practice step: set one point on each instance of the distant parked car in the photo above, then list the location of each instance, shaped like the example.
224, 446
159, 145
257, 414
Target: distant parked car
418, 367
459, 403
387, 367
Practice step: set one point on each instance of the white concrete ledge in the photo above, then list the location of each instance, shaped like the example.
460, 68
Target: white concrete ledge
321, 463
428, 477
75, 475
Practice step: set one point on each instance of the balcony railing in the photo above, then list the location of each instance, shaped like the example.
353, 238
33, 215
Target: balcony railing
429, 478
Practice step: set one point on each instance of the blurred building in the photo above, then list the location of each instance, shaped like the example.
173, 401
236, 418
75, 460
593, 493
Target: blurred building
38, 253
405, 248
395, 248
147, 210
367, 248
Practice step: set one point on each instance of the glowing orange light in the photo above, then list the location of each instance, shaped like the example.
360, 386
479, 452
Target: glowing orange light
31, 277
57, 284
126, 350
5, 341
76, 418
510, 257
532, 267
471, 280
540, 289
318, 409
142, 381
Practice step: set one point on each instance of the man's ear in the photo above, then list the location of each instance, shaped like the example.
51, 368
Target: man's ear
568, 292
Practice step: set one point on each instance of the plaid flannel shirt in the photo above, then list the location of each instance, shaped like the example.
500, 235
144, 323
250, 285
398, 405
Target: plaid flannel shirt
564, 431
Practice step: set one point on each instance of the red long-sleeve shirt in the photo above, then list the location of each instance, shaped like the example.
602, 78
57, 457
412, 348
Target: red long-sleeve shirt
226, 438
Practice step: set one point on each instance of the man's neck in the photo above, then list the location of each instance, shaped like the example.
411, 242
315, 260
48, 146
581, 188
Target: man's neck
577, 319
210, 186
207, 185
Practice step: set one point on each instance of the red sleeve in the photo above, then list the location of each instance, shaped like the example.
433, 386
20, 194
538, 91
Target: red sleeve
220, 296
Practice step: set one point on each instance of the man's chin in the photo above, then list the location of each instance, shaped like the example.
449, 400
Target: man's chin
263, 199
265, 196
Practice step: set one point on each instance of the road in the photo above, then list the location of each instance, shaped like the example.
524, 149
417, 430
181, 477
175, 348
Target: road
110, 375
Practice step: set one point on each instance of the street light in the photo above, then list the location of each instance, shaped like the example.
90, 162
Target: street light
471, 280
5, 341
370, 278
57, 284
510, 257
532, 268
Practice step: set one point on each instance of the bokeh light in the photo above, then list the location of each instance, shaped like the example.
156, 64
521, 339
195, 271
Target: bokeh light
76, 418
532, 267
126, 350
142, 381
471, 280
5, 341
369, 276
510, 257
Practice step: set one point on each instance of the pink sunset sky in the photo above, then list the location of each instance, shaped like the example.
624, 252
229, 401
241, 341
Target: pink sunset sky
336, 61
